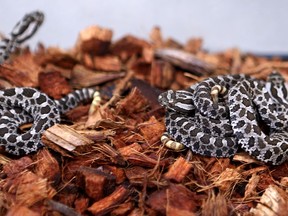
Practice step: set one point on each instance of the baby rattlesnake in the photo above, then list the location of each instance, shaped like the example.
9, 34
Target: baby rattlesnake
218, 129
23, 105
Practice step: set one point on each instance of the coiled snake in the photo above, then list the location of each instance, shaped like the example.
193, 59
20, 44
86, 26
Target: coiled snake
218, 127
23, 105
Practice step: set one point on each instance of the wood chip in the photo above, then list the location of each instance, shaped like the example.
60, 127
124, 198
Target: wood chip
185, 60
22, 210
96, 183
22, 72
110, 202
250, 189
173, 200
102, 63
162, 74
273, 202
83, 77
95, 40
129, 46
59, 83
152, 130
215, 205
178, 171
62, 137
26, 189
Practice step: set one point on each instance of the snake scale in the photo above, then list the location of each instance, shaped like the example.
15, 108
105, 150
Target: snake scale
218, 125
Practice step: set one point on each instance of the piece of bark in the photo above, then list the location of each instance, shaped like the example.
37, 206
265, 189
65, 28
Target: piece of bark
141, 68
87, 160
55, 56
96, 183
117, 172
250, 189
180, 201
194, 45
185, 61
68, 194
178, 171
54, 68
81, 204
22, 210
236, 61
94, 40
173, 200
4, 84
284, 181
227, 179
110, 202
136, 175
245, 158
129, 46
162, 74
43, 166
77, 113
97, 135
23, 71
59, 83
218, 166
250, 172
183, 80
156, 37
113, 155
123, 209
133, 154
83, 77
148, 54
26, 188
215, 205
274, 201
62, 137
102, 63
130, 149
279, 171
103, 114
172, 43
133, 103
152, 130
16, 166
139, 212
265, 181
149, 92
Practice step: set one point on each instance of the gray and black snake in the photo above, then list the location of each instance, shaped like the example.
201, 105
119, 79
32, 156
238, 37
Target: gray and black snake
26, 105
23, 105
218, 129
22, 31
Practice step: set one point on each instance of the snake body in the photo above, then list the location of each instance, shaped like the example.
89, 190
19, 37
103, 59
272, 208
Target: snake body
23, 105
186, 125
22, 31
193, 118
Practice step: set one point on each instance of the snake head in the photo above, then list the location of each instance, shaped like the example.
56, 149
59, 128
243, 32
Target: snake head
166, 99
276, 86
179, 101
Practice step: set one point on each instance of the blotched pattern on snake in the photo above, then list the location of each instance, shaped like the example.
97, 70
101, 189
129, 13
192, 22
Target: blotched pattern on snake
23, 105
211, 128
